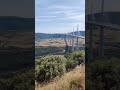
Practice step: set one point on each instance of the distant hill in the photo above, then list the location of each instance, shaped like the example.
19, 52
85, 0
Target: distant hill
16, 23
82, 33
39, 36
16, 39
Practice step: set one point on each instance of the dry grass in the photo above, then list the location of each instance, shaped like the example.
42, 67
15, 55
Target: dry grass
73, 80
57, 42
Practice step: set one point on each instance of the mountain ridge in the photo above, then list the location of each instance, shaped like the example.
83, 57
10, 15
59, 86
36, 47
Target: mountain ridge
16, 23
39, 36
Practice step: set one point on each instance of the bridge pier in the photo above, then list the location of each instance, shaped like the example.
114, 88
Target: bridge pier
91, 44
72, 43
70, 40
101, 42
77, 43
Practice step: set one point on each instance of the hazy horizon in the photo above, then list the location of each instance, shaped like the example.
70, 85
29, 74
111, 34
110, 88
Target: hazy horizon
59, 16
55, 33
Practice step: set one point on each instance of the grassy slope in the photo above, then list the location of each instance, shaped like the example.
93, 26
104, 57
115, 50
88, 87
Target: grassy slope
73, 80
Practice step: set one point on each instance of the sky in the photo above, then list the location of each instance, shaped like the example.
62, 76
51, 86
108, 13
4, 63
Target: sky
59, 16
17, 8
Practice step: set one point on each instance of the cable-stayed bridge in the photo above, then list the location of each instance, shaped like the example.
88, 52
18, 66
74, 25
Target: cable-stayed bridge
74, 40
82, 37
101, 20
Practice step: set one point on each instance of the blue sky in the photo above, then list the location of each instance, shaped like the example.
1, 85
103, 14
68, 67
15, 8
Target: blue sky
59, 16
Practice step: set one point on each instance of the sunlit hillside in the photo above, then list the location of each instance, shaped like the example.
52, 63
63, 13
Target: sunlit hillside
73, 80
57, 42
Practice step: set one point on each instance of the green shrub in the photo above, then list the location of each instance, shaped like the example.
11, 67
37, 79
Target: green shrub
73, 59
103, 74
23, 80
70, 64
49, 67
78, 56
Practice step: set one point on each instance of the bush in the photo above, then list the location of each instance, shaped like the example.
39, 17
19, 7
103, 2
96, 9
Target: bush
49, 67
103, 74
23, 80
70, 64
78, 56
75, 84
73, 59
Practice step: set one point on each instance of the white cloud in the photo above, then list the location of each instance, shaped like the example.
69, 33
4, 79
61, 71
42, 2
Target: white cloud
42, 20
60, 15
45, 16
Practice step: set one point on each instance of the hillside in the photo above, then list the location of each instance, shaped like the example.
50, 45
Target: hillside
79, 32
73, 80
17, 39
39, 36
58, 42
16, 31
16, 23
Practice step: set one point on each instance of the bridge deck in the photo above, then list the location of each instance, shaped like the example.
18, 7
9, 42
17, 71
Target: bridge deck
77, 36
113, 26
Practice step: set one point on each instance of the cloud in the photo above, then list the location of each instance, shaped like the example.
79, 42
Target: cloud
45, 16
60, 13
42, 20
